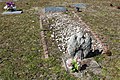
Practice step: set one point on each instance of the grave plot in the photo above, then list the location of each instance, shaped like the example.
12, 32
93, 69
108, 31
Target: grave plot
63, 28
10, 8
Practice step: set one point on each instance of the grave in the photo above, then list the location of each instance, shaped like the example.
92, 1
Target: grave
76, 42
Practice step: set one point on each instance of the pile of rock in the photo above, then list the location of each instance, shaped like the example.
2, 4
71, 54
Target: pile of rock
79, 44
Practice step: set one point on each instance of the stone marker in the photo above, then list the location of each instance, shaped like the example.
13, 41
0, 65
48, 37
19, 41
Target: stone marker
1, 0
12, 12
6, 0
79, 44
54, 9
79, 5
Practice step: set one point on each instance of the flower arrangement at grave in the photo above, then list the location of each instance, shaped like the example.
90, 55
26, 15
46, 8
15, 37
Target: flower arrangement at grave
10, 6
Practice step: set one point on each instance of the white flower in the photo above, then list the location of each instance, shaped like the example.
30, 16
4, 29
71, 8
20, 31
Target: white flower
6, 7
69, 63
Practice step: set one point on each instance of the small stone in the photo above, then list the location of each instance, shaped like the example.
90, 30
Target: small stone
52, 35
38, 50
33, 21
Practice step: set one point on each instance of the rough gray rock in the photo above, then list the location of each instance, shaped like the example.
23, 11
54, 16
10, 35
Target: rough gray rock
79, 44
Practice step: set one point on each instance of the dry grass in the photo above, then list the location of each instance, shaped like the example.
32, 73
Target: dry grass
21, 50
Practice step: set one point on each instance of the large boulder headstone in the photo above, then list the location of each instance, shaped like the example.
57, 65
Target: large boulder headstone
79, 45
78, 48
